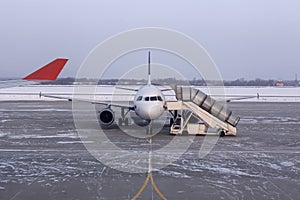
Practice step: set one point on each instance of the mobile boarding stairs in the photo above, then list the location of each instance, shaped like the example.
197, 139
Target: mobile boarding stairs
198, 113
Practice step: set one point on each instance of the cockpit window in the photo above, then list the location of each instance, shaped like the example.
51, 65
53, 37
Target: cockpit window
153, 98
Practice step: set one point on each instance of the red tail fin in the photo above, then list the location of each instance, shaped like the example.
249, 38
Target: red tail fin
49, 72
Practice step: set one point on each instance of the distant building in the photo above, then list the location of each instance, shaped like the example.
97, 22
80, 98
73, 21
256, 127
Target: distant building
279, 83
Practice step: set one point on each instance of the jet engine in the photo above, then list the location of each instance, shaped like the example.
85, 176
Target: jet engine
106, 116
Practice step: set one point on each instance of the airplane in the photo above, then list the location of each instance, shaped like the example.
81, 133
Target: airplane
48, 72
149, 103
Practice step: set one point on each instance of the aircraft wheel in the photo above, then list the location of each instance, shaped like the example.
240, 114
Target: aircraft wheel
120, 121
126, 122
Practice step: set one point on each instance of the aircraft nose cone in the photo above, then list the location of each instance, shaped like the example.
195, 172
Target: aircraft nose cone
153, 112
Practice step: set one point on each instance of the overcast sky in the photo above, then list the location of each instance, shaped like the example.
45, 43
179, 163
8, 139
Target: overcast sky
249, 38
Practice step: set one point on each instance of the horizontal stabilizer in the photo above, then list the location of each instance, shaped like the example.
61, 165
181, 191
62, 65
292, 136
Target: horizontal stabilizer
49, 72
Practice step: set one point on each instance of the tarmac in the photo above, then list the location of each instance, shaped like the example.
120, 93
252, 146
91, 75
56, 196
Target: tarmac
42, 157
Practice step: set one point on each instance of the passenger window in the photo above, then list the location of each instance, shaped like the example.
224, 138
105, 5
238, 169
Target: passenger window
153, 98
139, 98
159, 98
146, 98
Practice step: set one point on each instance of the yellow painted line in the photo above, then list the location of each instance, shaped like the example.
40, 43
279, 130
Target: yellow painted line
142, 188
160, 194
149, 176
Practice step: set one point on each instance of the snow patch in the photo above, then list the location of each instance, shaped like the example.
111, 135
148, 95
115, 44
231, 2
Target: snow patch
223, 170
173, 174
75, 142
31, 136
3, 134
274, 166
5, 120
287, 164
268, 94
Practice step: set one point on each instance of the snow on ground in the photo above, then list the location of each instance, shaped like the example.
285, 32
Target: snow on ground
267, 94
41, 155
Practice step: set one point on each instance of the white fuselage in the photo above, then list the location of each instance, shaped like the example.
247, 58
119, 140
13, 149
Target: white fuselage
149, 102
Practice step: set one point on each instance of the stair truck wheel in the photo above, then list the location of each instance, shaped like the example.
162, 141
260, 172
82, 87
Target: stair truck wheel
222, 133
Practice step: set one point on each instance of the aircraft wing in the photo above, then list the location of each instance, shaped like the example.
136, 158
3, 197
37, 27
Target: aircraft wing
129, 89
240, 98
49, 72
259, 96
107, 103
231, 98
135, 90
14, 83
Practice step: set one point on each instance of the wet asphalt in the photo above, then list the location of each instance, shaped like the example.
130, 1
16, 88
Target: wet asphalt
42, 157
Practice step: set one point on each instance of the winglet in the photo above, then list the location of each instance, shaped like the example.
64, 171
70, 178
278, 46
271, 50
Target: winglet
48, 72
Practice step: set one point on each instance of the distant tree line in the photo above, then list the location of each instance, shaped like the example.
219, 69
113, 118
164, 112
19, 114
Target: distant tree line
172, 81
